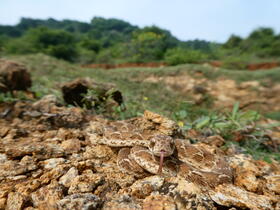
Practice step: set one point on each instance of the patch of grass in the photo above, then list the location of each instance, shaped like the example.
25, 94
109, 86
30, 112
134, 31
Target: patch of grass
273, 115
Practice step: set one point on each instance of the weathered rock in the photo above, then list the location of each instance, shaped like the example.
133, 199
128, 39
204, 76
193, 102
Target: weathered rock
67, 178
74, 93
42, 150
71, 146
86, 182
144, 187
123, 202
45, 104
98, 152
47, 196
230, 195
54, 174
53, 162
81, 201
15, 201
13, 76
155, 202
273, 183
14, 168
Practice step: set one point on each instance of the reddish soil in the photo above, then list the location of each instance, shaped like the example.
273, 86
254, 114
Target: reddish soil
252, 66
124, 65
267, 65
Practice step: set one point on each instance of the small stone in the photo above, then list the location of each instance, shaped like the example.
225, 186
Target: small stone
81, 201
98, 152
123, 202
67, 178
53, 162
159, 202
71, 146
230, 195
55, 173
273, 183
15, 201
48, 195
143, 187
86, 182
3, 203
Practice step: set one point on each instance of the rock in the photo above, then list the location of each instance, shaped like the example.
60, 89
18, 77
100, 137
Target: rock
144, 187
230, 195
42, 150
74, 93
53, 162
247, 179
80, 201
45, 104
15, 201
123, 202
55, 173
98, 152
3, 203
71, 146
27, 187
217, 141
87, 182
273, 183
67, 178
14, 168
13, 76
47, 196
156, 202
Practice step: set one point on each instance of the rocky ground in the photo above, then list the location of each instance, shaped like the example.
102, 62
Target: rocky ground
48, 162
224, 92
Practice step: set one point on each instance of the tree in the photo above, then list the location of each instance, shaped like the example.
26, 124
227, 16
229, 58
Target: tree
233, 42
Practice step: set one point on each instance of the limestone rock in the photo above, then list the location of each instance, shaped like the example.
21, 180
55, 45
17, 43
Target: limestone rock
48, 195
273, 183
71, 146
80, 201
155, 202
230, 195
123, 202
53, 162
67, 178
15, 201
86, 182
144, 187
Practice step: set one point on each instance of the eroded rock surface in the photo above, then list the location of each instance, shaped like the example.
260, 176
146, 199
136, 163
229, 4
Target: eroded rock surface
47, 164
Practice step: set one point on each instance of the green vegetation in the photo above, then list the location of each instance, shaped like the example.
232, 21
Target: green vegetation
115, 41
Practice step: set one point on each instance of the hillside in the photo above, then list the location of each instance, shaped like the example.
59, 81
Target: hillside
114, 41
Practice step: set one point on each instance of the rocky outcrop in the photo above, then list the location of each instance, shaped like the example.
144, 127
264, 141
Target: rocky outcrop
46, 166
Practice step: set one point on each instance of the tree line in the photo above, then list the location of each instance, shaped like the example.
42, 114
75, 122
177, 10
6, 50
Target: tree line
117, 41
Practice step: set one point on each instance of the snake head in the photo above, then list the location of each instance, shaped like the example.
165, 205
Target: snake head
161, 145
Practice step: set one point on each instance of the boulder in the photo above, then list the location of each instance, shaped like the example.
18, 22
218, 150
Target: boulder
13, 76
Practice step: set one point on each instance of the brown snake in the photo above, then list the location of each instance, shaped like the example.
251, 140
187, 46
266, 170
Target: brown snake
142, 153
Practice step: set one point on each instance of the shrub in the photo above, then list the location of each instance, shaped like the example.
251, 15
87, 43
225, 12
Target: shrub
177, 56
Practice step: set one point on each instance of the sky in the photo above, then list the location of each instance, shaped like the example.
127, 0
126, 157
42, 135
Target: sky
212, 20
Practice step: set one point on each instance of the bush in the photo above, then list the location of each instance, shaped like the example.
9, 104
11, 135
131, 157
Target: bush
177, 56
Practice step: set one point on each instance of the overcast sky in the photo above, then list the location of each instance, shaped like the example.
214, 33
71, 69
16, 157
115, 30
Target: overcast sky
213, 20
